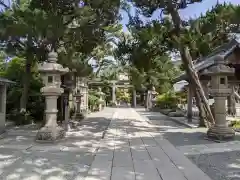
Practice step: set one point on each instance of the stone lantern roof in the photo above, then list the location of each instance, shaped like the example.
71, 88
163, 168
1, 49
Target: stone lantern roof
6, 81
51, 66
224, 54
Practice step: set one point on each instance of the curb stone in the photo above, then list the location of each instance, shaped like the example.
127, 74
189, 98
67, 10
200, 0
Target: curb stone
182, 123
170, 118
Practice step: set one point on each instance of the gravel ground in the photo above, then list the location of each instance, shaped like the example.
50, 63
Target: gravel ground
219, 166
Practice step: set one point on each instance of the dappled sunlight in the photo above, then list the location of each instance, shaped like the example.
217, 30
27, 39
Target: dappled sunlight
43, 168
234, 165
219, 165
5, 156
20, 138
68, 159
104, 148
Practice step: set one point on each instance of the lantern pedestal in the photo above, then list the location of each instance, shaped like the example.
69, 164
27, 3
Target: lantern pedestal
220, 132
220, 129
51, 131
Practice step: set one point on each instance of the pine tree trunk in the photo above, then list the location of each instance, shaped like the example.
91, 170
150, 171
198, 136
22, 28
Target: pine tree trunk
187, 63
26, 83
202, 115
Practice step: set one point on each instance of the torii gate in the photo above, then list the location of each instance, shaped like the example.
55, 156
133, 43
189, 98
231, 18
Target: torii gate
117, 83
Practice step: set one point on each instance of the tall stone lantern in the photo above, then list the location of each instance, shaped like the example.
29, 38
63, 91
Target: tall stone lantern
84, 102
51, 72
78, 96
220, 90
100, 101
153, 97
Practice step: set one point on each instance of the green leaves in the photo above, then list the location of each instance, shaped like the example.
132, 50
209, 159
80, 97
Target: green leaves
144, 53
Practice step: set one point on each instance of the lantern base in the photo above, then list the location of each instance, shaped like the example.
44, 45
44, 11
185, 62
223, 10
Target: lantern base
221, 133
79, 116
50, 134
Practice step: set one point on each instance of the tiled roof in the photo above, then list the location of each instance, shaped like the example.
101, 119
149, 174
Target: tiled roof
4, 80
202, 63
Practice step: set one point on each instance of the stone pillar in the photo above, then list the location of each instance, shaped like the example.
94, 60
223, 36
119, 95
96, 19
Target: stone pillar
149, 99
134, 98
101, 101
231, 102
51, 73
189, 102
114, 93
66, 113
87, 99
78, 115
145, 99
3, 90
79, 105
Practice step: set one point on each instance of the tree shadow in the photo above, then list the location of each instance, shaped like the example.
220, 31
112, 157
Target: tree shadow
23, 165
22, 158
222, 165
217, 160
176, 133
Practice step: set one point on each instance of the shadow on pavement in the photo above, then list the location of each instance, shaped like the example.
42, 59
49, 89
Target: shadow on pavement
21, 158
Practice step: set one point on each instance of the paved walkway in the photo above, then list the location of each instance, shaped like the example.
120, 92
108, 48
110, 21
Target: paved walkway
220, 161
133, 149
23, 159
114, 144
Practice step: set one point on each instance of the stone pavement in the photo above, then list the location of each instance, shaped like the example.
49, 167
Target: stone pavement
133, 149
23, 159
220, 161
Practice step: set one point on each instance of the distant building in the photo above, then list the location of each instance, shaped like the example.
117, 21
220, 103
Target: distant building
179, 85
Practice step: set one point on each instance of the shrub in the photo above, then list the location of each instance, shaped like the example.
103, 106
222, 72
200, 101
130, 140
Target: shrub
20, 118
72, 112
111, 104
167, 101
93, 102
235, 124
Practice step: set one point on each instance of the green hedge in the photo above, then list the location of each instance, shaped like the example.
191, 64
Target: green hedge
167, 100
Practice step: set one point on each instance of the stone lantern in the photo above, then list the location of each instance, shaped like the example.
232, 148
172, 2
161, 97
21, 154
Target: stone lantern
84, 102
100, 101
114, 103
220, 90
51, 73
78, 96
153, 97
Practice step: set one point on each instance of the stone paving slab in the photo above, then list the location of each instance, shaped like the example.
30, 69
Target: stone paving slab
138, 151
23, 159
164, 165
145, 169
220, 161
210, 148
123, 173
190, 170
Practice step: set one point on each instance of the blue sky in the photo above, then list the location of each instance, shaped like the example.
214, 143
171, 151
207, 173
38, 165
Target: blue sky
193, 10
